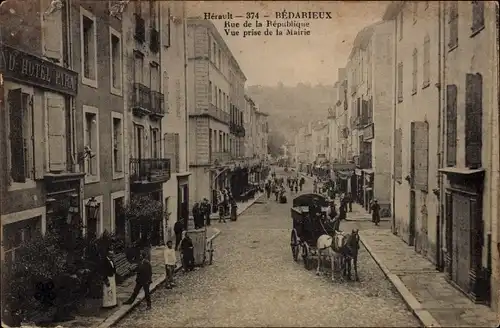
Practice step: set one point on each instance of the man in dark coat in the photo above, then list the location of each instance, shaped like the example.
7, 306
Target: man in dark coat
187, 250
206, 209
178, 229
375, 207
142, 281
197, 216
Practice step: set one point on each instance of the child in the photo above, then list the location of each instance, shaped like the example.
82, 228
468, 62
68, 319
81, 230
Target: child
170, 261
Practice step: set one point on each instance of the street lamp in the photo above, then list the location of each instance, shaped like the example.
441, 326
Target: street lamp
92, 208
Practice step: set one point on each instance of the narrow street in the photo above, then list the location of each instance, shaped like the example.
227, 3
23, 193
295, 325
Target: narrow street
255, 282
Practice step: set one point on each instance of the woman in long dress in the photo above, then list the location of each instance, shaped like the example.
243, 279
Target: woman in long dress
109, 286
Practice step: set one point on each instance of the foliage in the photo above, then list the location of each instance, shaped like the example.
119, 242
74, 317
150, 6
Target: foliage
143, 207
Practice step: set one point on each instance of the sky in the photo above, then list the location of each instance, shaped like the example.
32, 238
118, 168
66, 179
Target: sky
314, 59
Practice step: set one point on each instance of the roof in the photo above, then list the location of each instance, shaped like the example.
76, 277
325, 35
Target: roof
362, 38
392, 10
210, 25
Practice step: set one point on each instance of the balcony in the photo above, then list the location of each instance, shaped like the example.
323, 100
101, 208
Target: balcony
220, 157
157, 105
140, 30
154, 40
218, 114
149, 171
141, 100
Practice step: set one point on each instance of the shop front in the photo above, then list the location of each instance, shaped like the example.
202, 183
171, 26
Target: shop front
368, 178
344, 174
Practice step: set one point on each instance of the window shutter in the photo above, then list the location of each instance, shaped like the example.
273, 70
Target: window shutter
40, 144
165, 30
451, 125
474, 120
177, 153
52, 33
170, 150
398, 155
18, 151
56, 132
420, 155
165, 91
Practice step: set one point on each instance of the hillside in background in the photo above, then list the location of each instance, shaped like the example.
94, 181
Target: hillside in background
292, 107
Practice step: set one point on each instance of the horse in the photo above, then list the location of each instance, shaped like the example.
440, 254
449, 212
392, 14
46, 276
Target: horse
329, 247
349, 252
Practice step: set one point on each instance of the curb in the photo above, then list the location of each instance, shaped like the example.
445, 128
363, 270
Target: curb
413, 304
125, 309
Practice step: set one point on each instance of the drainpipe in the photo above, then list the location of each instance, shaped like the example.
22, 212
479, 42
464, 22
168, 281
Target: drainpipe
394, 105
441, 123
186, 114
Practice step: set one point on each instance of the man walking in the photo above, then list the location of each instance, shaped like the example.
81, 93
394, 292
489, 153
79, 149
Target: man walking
142, 281
170, 261
375, 208
206, 211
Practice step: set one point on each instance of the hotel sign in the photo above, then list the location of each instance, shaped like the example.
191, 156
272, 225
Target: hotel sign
25, 68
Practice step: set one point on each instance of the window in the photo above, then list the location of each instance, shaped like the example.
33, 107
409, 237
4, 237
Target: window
138, 149
215, 53
118, 147
451, 125
400, 82
220, 99
473, 120
138, 67
56, 132
401, 26
116, 62
172, 149
138, 8
415, 11
215, 96
420, 154
52, 34
221, 142
155, 143
426, 62
91, 140
477, 16
453, 25
414, 72
20, 137
220, 58
17, 233
398, 155
166, 91
154, 75
88, 40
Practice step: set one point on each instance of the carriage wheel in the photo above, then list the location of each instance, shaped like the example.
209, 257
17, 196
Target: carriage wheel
294, 244
306, 255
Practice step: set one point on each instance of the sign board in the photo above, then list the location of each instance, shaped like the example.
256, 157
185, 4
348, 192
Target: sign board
368, 132
343, 167
25, 68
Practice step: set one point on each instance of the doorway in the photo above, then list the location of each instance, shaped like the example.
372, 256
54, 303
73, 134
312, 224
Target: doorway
412, 223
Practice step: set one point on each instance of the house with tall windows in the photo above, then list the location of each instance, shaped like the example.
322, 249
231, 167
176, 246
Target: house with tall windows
41, 177
445, 142
215, 86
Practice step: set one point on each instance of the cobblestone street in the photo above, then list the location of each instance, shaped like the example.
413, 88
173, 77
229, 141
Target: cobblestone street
255, 282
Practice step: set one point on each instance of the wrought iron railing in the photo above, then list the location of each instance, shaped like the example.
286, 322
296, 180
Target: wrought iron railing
142, 96
149, 169
157, 102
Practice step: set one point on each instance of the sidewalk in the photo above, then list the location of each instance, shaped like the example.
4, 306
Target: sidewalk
424, 289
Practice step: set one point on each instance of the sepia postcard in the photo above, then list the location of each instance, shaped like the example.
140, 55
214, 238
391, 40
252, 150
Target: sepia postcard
249, 163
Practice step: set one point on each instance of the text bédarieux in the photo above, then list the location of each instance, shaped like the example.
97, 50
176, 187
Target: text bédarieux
285, 23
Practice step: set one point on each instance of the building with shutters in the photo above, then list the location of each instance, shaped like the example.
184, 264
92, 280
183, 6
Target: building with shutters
100, 122
215, 86
174, 125
41, 180
445, 155
262, 133
146, 37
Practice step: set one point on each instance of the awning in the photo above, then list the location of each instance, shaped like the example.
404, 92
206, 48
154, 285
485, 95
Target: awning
368, 171
344, 175
357, 171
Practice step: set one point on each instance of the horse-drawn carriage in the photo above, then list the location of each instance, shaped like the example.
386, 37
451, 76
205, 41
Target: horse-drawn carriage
307, 212
312, 228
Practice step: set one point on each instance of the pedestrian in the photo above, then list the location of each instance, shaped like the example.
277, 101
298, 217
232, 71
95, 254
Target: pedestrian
178, 229
302, 181
142, 281
349, 201
187, 250
342, 210
296, 186
315, 186
109, 289
196, 215
206, 211
268, 189
222, 216
170, 262
375, 207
